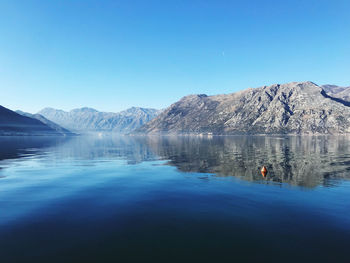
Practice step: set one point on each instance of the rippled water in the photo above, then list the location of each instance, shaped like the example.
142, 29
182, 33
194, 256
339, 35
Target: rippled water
174, 199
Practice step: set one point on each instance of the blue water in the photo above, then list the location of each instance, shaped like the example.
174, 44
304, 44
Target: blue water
174, 199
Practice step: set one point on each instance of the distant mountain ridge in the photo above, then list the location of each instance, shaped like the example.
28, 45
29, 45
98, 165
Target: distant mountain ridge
292, 108
49, 123
12, 123
90, 120
337, 92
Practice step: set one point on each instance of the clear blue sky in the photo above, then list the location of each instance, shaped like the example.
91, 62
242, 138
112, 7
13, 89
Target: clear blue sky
111, 55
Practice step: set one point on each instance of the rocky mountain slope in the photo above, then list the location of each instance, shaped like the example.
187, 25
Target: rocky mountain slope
89, 120
292, 108
12, 123
49, 123
337, 92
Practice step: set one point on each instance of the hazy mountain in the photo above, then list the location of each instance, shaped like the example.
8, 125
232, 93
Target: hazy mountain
88, 119
12, 123
293, 108
337, 92
49, 123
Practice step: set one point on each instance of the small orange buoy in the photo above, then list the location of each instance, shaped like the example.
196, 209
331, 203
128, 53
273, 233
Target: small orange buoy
263, 171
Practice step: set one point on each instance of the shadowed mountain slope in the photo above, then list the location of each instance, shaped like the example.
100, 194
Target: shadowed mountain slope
12, 123
49, 123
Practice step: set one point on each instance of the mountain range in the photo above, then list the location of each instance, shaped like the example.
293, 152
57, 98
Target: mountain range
337, 92
12, 123
292, 108
47, 122
90, 120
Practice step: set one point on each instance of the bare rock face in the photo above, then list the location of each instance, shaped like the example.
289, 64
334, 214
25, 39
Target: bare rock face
292, 108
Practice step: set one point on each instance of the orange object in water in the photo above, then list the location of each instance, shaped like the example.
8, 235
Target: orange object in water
264, 171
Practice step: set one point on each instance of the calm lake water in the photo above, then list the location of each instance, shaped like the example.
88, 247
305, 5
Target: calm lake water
174, 199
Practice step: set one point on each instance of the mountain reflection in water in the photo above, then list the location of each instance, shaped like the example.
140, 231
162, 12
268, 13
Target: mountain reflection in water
306, 161
174, 199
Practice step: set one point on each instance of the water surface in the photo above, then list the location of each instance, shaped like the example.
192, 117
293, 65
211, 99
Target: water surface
174, 199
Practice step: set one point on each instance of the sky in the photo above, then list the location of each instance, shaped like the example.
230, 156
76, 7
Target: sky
112, 55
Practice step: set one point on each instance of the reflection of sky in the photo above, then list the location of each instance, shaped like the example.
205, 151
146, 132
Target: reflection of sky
34, 186
31, 184
48, 172
304, 161
79, 193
